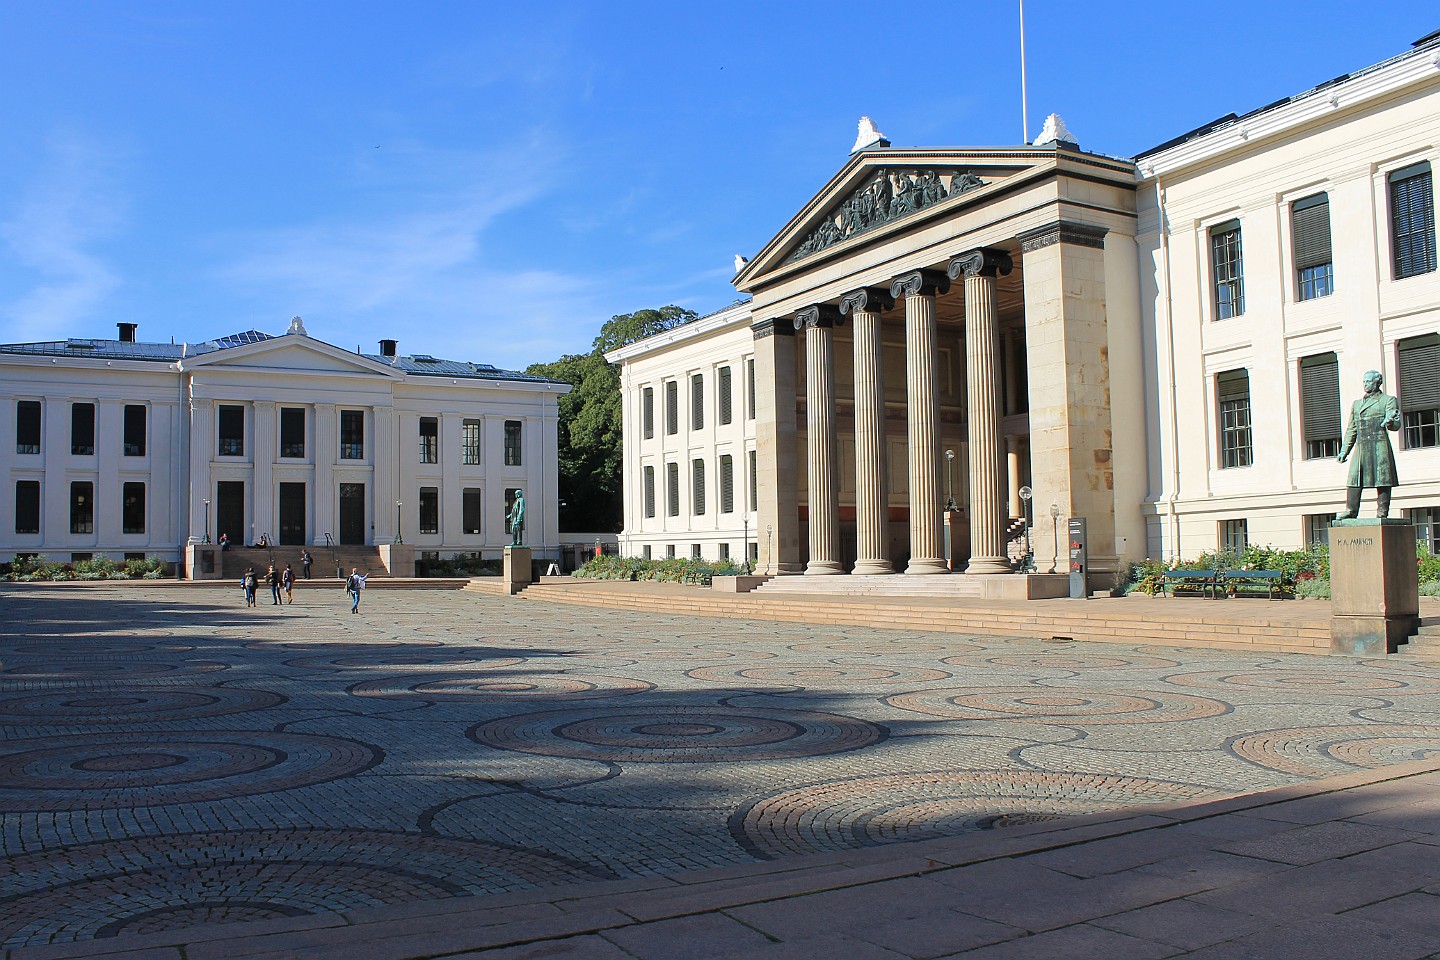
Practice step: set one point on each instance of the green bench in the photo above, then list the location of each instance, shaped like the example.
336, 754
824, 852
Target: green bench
1272, 580
1202, 580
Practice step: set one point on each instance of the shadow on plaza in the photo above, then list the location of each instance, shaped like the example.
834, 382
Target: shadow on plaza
57, 609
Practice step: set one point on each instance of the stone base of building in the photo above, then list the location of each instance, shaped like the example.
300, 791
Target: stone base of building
202, 561
1018, 586
518, 569
1374, 586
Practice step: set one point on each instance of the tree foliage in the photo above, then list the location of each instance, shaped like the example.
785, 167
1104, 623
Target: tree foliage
590, 420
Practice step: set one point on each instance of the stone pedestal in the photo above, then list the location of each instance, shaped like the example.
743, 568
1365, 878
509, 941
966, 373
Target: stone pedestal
202, 561
517, 570
398, 558
1374, 586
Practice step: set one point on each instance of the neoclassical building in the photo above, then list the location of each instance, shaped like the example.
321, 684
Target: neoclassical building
1164, 346
127, 448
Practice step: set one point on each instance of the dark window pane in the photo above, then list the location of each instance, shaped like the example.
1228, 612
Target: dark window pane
27, 426
1412, 221
27, 506
82, 507
429, 440
672, 408
647, 411
512, 443
1320, 405
352, 434
470, 444
232, 432
132, 509
82, 429
471, 509
1227, 271
134, 430
1233, 389
726, 411
292, 432
697, 402
727, 484
697, 487
429, 510
649, 491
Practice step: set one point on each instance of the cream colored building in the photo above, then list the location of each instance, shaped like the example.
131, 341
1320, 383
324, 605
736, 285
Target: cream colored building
1129, 339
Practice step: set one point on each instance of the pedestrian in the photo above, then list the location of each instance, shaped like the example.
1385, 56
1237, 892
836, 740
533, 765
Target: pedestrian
353, 586
224, 542
272, 576
248, 583
287, 580
305, 562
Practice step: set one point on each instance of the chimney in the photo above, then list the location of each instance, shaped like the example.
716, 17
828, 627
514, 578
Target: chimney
387, 347
127, 332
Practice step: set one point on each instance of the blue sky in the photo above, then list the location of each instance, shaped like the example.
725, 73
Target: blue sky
491, 182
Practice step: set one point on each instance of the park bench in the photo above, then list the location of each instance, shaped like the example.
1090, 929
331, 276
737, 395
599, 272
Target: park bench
1272, 580
1202, 580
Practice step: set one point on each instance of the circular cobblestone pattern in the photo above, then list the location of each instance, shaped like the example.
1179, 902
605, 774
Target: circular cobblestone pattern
1325, 751
137, 706
402, 658
817, 674
117, 770
679, 734
108, 647
1063, 661
1310, 681
1059, 705
83, 669
500, 688
865, 811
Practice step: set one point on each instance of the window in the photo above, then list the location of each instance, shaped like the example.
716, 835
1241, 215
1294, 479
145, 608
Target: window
232, 431
672, 489
429, 510
470, 442
1234, 536
1226, 270
1427, 527
509, 504
727, 484
27, 506
755, 552
695, 552
1420, 390
134, 440
697, 488
82, 507
645, 552
27, 426
1233, 390
1412, 221
1317, 530
1310, 232
1320, 406
292, 433
672, 408
724, 551
352, 434
82, 429
697, 402
647, 411
750, 375
471, 509
669, 551
429, 440
754, 484
724, 405
649, 491
132, 508
512, 443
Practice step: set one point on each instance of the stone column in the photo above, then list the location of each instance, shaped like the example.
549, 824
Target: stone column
1016, 506
919, 289
822, 446
777, 519
980, 268
872, 487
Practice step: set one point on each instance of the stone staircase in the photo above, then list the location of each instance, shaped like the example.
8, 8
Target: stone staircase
234, 561
1425, 643
938, 586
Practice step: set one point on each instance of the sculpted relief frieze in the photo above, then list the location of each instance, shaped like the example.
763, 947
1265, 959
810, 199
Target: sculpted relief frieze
888, 196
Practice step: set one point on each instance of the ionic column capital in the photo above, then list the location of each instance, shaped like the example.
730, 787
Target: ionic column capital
981, 262
818, 315
925, 283
866, 300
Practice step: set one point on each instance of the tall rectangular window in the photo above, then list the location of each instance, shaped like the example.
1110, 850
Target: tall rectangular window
470, 442
471, 510
1227, 271
750, 376
1234, 535
727, 484
27, 506
697, 487
1412, 221
646, 553
672, 407
27, 426
352, 434
1427, 527
1420, 390
1233, 391
231, 435
429, 510
697, 402
1310, 231
292, 433
754, 484
134, 430
1317, 529
695, 553
672, 489
647, 411
512, 443
649, 491
82, 429
1320, 406
429, 440
132, 508
82, 507
724, 404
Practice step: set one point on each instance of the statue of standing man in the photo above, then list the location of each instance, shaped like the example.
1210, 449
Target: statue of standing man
1373, 463
516, 517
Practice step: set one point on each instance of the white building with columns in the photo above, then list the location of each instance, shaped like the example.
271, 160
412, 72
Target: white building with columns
1166, 347
123, 448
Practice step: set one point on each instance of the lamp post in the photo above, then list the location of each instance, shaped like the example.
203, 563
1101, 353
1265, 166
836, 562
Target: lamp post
746, 554
207, 521
949, 480
1055, 530
1025, 494
769, 550
399, 537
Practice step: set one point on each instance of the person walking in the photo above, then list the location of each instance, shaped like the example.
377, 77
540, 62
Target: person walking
353, 586
248, 583
272, 576
287, 581
305, 562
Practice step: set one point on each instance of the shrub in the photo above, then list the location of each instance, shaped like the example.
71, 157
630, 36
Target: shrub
670, 570
1313, 587
1294, 565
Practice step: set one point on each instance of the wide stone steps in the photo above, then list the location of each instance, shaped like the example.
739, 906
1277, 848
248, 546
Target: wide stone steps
937, 585
1425, 642
234, 561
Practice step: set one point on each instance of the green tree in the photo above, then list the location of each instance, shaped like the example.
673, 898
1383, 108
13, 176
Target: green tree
589, 421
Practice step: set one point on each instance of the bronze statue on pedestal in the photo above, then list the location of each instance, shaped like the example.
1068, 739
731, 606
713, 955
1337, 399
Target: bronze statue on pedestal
1373, 463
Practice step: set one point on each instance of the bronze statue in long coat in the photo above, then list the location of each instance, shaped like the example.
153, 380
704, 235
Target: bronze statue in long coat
1373, 463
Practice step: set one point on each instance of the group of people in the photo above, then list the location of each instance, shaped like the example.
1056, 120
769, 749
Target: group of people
283, 583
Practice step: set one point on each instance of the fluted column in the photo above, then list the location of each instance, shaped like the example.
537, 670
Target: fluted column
923, 408
980, 269
1016, 506
872, 488
822, 447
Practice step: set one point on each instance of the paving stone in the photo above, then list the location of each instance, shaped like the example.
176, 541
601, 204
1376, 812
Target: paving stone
1080, 940
686, 938
1324, 938
1316, 842
1183, 923
1414, 911
576, 948
936, 934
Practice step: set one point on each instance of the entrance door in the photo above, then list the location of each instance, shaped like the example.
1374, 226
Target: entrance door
230, 511
352, 513
292, 514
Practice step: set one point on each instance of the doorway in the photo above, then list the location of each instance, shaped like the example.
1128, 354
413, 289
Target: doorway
352, 513
292, 514
230, 511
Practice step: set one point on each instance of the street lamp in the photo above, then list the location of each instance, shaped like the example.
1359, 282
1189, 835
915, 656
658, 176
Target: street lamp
207, 521
1025, 494
746, 554
399, 537
950, 480
1055, 530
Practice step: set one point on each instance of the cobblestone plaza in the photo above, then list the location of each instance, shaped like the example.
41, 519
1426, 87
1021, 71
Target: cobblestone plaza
170, 758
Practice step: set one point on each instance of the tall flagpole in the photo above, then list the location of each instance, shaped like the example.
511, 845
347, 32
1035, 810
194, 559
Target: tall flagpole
1024, 100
